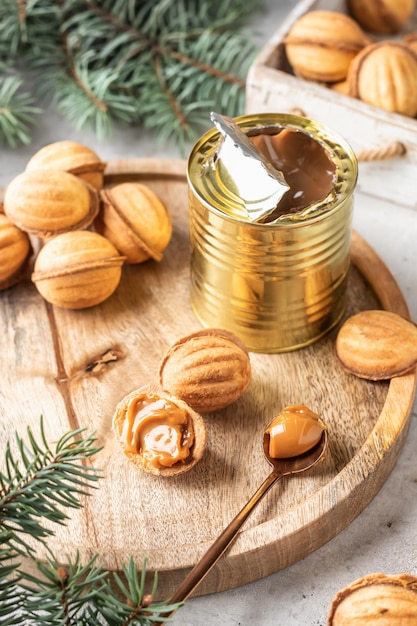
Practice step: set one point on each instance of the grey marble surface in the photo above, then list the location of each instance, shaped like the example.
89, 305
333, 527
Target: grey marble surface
384, 536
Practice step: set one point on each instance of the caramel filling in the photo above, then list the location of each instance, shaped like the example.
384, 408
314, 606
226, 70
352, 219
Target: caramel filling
158, 430
294, 431
307, 168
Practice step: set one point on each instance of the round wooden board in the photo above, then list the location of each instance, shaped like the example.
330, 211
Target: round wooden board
53, 364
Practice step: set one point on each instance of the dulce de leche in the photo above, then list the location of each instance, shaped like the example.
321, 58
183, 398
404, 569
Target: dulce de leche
157, 429
306, 166
159, 432
294, 431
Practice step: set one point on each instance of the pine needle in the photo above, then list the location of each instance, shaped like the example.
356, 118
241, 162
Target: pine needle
162, 65
41, 482
38, 482
17, 112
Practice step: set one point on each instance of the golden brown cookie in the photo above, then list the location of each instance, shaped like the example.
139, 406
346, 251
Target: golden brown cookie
158, 432
377, 345
209, 369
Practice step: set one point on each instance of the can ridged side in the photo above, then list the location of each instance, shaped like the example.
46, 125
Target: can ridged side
279, 290
279, 287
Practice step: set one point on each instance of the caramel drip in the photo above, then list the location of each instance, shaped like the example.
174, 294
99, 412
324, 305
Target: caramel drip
294, 431
158, 430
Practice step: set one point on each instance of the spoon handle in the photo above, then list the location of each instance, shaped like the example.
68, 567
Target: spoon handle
210, 558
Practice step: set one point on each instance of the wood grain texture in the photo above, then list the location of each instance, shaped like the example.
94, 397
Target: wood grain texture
74, 367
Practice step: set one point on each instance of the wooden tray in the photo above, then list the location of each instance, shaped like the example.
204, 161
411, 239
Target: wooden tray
272, 87
52, 365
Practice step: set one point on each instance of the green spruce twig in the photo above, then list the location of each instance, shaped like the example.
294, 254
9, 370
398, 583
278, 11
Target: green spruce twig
10, 596
78, 594
39, 483
17, 112
162, 64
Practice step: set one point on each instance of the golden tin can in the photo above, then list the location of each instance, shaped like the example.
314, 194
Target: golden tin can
281, 283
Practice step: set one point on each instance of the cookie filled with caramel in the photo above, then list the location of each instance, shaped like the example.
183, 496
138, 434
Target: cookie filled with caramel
159, 432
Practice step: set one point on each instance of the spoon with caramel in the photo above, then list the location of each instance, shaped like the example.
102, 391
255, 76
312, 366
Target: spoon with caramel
293, 442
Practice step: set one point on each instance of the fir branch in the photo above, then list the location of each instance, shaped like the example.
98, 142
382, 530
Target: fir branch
204, 67
12, 32
17, 112
28, 28
38, 481
107, 60
10, 597
60, 594
78, 594
136, 607
89, 101
172, 101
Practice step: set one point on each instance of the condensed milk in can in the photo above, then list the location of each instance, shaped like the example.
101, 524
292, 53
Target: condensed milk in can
270, 210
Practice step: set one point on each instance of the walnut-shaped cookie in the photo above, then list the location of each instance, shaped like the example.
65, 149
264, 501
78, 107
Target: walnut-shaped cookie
158, 432
377, 345
377, 600
208, 369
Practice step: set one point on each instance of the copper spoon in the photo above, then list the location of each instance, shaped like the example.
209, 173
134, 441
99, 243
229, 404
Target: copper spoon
281, 467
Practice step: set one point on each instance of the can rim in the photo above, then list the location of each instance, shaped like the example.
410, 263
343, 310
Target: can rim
335, 145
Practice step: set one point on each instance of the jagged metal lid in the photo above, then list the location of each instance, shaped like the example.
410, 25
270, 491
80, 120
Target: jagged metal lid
245, 170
